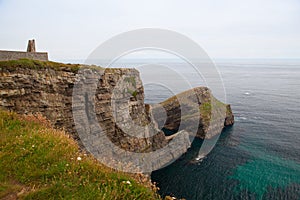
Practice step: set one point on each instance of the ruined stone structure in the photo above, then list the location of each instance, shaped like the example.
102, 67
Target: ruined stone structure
29, 54
31, 46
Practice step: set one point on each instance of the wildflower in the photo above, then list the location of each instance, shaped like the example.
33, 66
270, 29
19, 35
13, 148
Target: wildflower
127, 182
78, 158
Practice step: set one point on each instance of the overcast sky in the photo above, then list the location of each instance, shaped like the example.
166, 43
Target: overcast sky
71, 29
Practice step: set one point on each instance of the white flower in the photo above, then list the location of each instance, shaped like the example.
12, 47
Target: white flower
78, 158
127, 182
32, 146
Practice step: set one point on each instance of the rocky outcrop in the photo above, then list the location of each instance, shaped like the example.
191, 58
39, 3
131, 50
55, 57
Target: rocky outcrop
47, 88
195, 111
229, 119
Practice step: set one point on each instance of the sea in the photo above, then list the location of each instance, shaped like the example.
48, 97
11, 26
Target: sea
256, 158
259, 156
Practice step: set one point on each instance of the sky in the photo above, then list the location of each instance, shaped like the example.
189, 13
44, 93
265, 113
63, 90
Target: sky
72, 29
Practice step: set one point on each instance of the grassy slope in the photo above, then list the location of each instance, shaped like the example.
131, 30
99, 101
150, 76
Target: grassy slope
36, 64
37, 162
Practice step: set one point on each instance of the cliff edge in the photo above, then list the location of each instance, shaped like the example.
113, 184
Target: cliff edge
30, 87
196, 111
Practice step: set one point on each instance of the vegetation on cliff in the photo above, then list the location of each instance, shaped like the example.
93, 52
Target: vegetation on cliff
192, 107
37, 64
38, 162
207, 107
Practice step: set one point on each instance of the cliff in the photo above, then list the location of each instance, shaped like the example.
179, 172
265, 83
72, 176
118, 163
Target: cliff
196, 111
29, 86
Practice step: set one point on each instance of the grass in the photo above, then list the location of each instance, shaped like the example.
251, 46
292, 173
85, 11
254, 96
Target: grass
130, 80
206, 108
132, 92
38, 162
37, 64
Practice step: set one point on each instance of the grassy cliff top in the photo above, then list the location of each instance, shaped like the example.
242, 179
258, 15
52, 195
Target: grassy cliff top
38, 162
37, 64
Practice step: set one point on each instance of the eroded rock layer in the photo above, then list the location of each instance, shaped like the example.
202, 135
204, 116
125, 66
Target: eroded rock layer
115, 96
195, 111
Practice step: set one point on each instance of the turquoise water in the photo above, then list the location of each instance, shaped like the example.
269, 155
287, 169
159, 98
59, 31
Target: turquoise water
257, 158
265, 171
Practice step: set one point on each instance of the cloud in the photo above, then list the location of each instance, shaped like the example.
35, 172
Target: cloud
225, 28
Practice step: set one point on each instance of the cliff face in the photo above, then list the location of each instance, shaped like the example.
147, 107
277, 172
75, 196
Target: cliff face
48, 91
45, 91
119, 108
195, 111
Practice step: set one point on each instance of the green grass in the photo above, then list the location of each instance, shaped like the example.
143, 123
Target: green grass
38, 162
205, 111
130, 80
207, 107
132, 92
36, 64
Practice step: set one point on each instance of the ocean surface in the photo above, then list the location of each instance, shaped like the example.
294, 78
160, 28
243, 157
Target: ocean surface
258, 157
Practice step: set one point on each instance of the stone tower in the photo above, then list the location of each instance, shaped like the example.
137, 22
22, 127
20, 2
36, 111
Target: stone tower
31, 46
